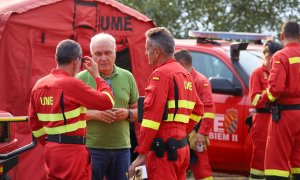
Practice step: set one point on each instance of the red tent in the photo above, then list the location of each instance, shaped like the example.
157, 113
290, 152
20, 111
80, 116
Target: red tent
29, 33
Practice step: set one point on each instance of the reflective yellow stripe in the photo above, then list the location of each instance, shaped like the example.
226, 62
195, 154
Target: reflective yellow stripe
59, 116
296, 170
294, 60
178, 118
270, 96
255, 99
65, 128
13, 119
276, 172
208, 178
257, 172
208, 115
181, 104
39, 133
150, 124
110, 97
195, 117
1, 169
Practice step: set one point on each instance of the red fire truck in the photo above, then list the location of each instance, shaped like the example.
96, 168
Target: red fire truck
227, 65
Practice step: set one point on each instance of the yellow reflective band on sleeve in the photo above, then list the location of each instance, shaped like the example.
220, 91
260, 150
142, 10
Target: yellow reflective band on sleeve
65, 128
59, 117
255, 99
208, 178
295, 170
150, 124
294, 60
178, 118
14, 119
195, 117
276, 172
270, 96
1, 169
257, 172
181, 104
208, 115
39, 133
155, 78
110, 97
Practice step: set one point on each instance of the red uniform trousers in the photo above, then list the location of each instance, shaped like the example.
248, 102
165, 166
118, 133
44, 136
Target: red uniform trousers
201, 169
283, 144
68, 161
162, 168
259, 133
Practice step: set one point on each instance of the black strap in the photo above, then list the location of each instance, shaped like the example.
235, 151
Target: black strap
62, 107
175, 98
179, 144
63, 139
262, 110
289, 106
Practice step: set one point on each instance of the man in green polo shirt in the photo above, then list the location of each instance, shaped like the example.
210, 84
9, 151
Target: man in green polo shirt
108, 137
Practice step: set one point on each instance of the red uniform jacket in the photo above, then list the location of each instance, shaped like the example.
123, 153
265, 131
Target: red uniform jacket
203, 88
45, 112
159, 92
284, 79
258, 85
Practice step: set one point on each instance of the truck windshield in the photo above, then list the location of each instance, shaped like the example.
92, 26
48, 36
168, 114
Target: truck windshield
250, 60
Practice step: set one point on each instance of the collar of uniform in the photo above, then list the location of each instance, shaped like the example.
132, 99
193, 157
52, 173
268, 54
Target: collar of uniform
165, 62
114, 73
60, 71
292, 44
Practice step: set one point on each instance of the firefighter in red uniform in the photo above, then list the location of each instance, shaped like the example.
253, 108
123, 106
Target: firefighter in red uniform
200, 163
260, 124
171, 110
57, 113
283, 142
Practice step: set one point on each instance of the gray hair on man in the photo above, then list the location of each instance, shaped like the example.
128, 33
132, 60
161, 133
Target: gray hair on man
163, 39
102, 37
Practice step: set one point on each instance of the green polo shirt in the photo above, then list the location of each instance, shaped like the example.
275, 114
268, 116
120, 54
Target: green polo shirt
115, 135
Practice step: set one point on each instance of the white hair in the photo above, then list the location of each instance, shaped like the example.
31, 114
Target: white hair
102, 36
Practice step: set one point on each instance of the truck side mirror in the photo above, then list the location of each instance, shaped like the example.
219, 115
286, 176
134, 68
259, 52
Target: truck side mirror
222, 85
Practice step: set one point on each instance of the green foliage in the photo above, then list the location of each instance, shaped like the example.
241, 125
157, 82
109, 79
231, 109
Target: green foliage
180, 16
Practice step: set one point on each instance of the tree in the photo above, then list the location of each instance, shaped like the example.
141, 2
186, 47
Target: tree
180, 16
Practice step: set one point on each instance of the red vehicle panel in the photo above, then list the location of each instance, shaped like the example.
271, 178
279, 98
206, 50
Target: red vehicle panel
231, 146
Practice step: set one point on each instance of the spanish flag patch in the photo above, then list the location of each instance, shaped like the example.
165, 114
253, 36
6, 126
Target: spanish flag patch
205, 84
155, 78
277, 62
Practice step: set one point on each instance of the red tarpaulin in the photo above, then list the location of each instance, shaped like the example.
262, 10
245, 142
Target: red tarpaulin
29, 33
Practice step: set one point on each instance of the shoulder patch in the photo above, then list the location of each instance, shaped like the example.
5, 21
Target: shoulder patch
277, 62
205, 84
155, 78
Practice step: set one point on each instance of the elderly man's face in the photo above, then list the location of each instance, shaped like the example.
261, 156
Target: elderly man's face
104, 53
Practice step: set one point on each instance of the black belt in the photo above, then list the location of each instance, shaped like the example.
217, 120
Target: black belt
289, 106
178, 144
63, 139
262, 110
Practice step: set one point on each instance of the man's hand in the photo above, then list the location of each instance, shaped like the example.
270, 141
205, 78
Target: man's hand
192, 140
203, 140
137, 162
120, 113
91, 66
107, 116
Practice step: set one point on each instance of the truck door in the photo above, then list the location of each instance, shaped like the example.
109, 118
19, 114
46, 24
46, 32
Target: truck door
226, 135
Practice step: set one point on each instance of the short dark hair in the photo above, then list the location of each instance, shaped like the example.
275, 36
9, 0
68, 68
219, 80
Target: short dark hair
67, 51
272, 46
290, 29
184, 55
162, 38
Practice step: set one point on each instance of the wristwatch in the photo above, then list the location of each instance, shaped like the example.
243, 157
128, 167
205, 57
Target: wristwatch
129, 114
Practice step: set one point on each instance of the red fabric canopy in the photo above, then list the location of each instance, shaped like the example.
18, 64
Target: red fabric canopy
29, 33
